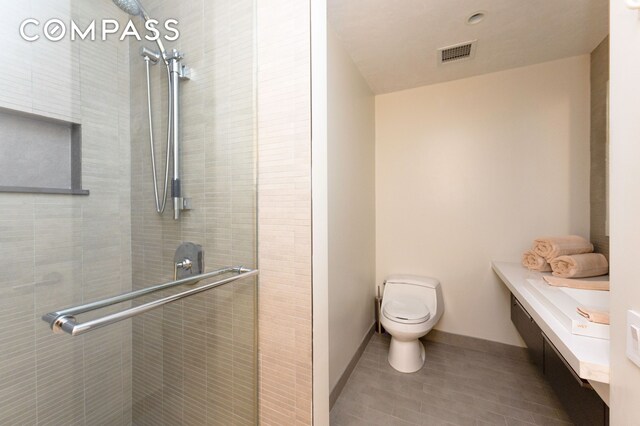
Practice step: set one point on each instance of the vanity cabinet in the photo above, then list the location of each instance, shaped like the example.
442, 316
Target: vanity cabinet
530, 332
581, 402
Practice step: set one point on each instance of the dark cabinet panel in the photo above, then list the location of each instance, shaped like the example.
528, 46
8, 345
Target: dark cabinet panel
582, 403
529, 330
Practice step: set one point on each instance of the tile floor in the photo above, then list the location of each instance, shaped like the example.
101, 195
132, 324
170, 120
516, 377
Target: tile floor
457, 386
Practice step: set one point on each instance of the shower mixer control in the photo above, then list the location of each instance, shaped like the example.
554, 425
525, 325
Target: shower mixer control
185, 264
150, 55
188, 260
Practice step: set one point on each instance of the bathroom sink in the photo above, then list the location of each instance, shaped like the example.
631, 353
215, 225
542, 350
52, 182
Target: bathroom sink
562, 302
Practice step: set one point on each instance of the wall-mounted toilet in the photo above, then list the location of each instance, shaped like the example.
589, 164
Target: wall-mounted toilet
411, 306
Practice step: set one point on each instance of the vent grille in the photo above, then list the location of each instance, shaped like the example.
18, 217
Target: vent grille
457, 52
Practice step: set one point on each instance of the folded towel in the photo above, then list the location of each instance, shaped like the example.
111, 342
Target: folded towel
533, 262
580, 265
551, 247
594, 315
574, 283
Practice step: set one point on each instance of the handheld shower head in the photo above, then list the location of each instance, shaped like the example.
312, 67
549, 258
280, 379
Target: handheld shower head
132, 7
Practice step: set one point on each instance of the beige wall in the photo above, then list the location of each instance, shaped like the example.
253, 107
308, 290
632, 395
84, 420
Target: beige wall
625, 206
471, 171
598, 190
320, 212
351, 205
66, 250
284, 212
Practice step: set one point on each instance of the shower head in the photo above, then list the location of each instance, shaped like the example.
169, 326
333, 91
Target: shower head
132, 7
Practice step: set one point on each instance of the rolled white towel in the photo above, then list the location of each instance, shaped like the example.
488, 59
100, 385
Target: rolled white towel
552, 247
534, 262
580, 265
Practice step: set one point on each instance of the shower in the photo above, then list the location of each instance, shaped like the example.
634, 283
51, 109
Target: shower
158, 316
176, 71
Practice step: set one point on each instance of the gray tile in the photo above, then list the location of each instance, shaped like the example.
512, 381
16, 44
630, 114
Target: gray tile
408, 415
458, 385
516, 422
206, 350
546, 421
55, 379
432, 421
360, 411
480, 422
349, 420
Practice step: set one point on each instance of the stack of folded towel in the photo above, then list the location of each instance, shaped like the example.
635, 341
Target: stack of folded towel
568, 257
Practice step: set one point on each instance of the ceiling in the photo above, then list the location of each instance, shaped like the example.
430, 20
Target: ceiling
394, 42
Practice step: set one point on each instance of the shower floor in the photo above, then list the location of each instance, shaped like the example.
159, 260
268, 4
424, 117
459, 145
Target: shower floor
457, 386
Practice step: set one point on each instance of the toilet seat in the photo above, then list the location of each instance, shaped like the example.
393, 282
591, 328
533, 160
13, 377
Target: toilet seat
406, 310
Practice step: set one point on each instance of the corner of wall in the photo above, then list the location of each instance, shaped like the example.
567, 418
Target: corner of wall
284, 213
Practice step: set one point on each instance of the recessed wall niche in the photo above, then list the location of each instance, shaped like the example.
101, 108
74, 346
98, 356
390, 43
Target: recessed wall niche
39, 154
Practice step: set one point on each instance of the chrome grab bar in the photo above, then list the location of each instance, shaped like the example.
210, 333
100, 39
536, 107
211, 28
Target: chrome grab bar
64, 321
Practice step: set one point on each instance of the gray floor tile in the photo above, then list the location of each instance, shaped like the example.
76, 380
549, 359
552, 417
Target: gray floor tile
457, 386
546, 421
349, 420
516, 422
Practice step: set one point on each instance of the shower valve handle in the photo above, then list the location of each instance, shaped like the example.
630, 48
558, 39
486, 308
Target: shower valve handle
185, 264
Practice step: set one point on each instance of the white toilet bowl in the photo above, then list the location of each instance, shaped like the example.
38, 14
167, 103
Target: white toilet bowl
411, 306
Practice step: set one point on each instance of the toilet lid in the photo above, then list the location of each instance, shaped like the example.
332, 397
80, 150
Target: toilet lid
406, 310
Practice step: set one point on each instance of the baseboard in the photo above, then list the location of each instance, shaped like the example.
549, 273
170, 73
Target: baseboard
337, 389
474, 343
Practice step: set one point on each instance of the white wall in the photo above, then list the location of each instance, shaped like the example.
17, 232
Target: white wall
351, 204
624, 206
471, 171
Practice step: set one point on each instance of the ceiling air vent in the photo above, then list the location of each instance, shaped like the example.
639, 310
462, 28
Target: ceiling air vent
457, 52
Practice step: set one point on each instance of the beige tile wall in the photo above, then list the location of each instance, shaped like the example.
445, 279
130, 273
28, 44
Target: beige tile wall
66, 249
194, 362
284, 214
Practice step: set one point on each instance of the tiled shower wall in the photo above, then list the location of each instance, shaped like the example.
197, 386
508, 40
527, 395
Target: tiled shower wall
284, 212
61, 250
194, 361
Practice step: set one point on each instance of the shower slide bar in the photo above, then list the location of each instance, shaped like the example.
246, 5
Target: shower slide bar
64, 321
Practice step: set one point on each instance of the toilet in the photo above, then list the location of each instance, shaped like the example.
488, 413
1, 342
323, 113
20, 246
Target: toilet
411, 306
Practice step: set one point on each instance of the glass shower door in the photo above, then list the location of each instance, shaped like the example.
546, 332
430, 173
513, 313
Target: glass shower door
78, 220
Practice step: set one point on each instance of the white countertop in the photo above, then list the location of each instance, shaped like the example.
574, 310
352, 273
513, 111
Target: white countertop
588, 356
